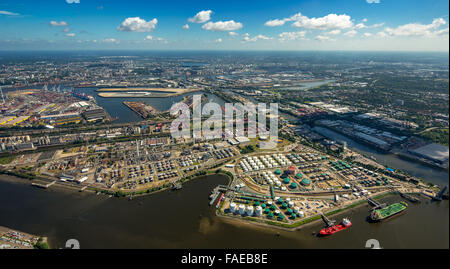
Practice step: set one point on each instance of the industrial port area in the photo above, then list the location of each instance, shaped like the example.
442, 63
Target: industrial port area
89, 150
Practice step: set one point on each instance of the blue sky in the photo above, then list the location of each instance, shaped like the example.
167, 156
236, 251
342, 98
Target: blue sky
225, 25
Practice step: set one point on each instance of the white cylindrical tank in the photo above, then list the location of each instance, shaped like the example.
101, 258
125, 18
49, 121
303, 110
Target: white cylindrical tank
258, 211
269, 203
277, 212
250, 210
296, 209
301, 214
291, 204
242, 209
232, 207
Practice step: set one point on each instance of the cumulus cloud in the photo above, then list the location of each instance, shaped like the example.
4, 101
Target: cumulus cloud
219, 40
186, 27
70, 34
328, 22
351, 33
222, 26
149, 37
292, 35
201, 17
4, 12
56, 23
417, 29
233, 33
324, 38
66, 30
73, 1
275, 22
334, 32
136, 24
254, 39
382, 34
367, 34
373, 1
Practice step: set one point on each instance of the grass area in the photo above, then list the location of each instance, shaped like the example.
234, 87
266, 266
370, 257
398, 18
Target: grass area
440, 136
7, 159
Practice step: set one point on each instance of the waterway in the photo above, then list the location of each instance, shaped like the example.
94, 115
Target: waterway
116, 108
183, 219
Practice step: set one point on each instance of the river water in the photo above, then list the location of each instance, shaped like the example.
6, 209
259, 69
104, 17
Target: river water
183, 219
116, 108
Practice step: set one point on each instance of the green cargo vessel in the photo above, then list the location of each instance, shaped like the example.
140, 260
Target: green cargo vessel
389, 211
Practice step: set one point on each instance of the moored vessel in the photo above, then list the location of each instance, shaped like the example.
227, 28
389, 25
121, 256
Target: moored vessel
388, 211
336, 228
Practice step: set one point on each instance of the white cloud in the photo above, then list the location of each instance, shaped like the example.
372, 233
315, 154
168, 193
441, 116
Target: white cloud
330, 21
186, 27
376, 25
334, 32
66, 30
201, 17
442, 32
4, 12
373, 1
360, 26
351, 33
364, 20
219, 40
70, 34
367, 34
254, 39
149, 37
73, 1
222, 26
382, 34
61, 23
275, 22
292, 35
233, 33
137, 24
417, 29
324, 38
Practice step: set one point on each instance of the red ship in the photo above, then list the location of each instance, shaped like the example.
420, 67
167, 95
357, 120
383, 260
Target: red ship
336, 228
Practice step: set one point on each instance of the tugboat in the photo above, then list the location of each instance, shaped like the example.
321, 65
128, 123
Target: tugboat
336, 228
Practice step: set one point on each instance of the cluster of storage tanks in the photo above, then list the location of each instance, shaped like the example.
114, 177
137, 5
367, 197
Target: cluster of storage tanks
295, 209
271, 179
263, 162
258, 210
246, 210
281, 159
